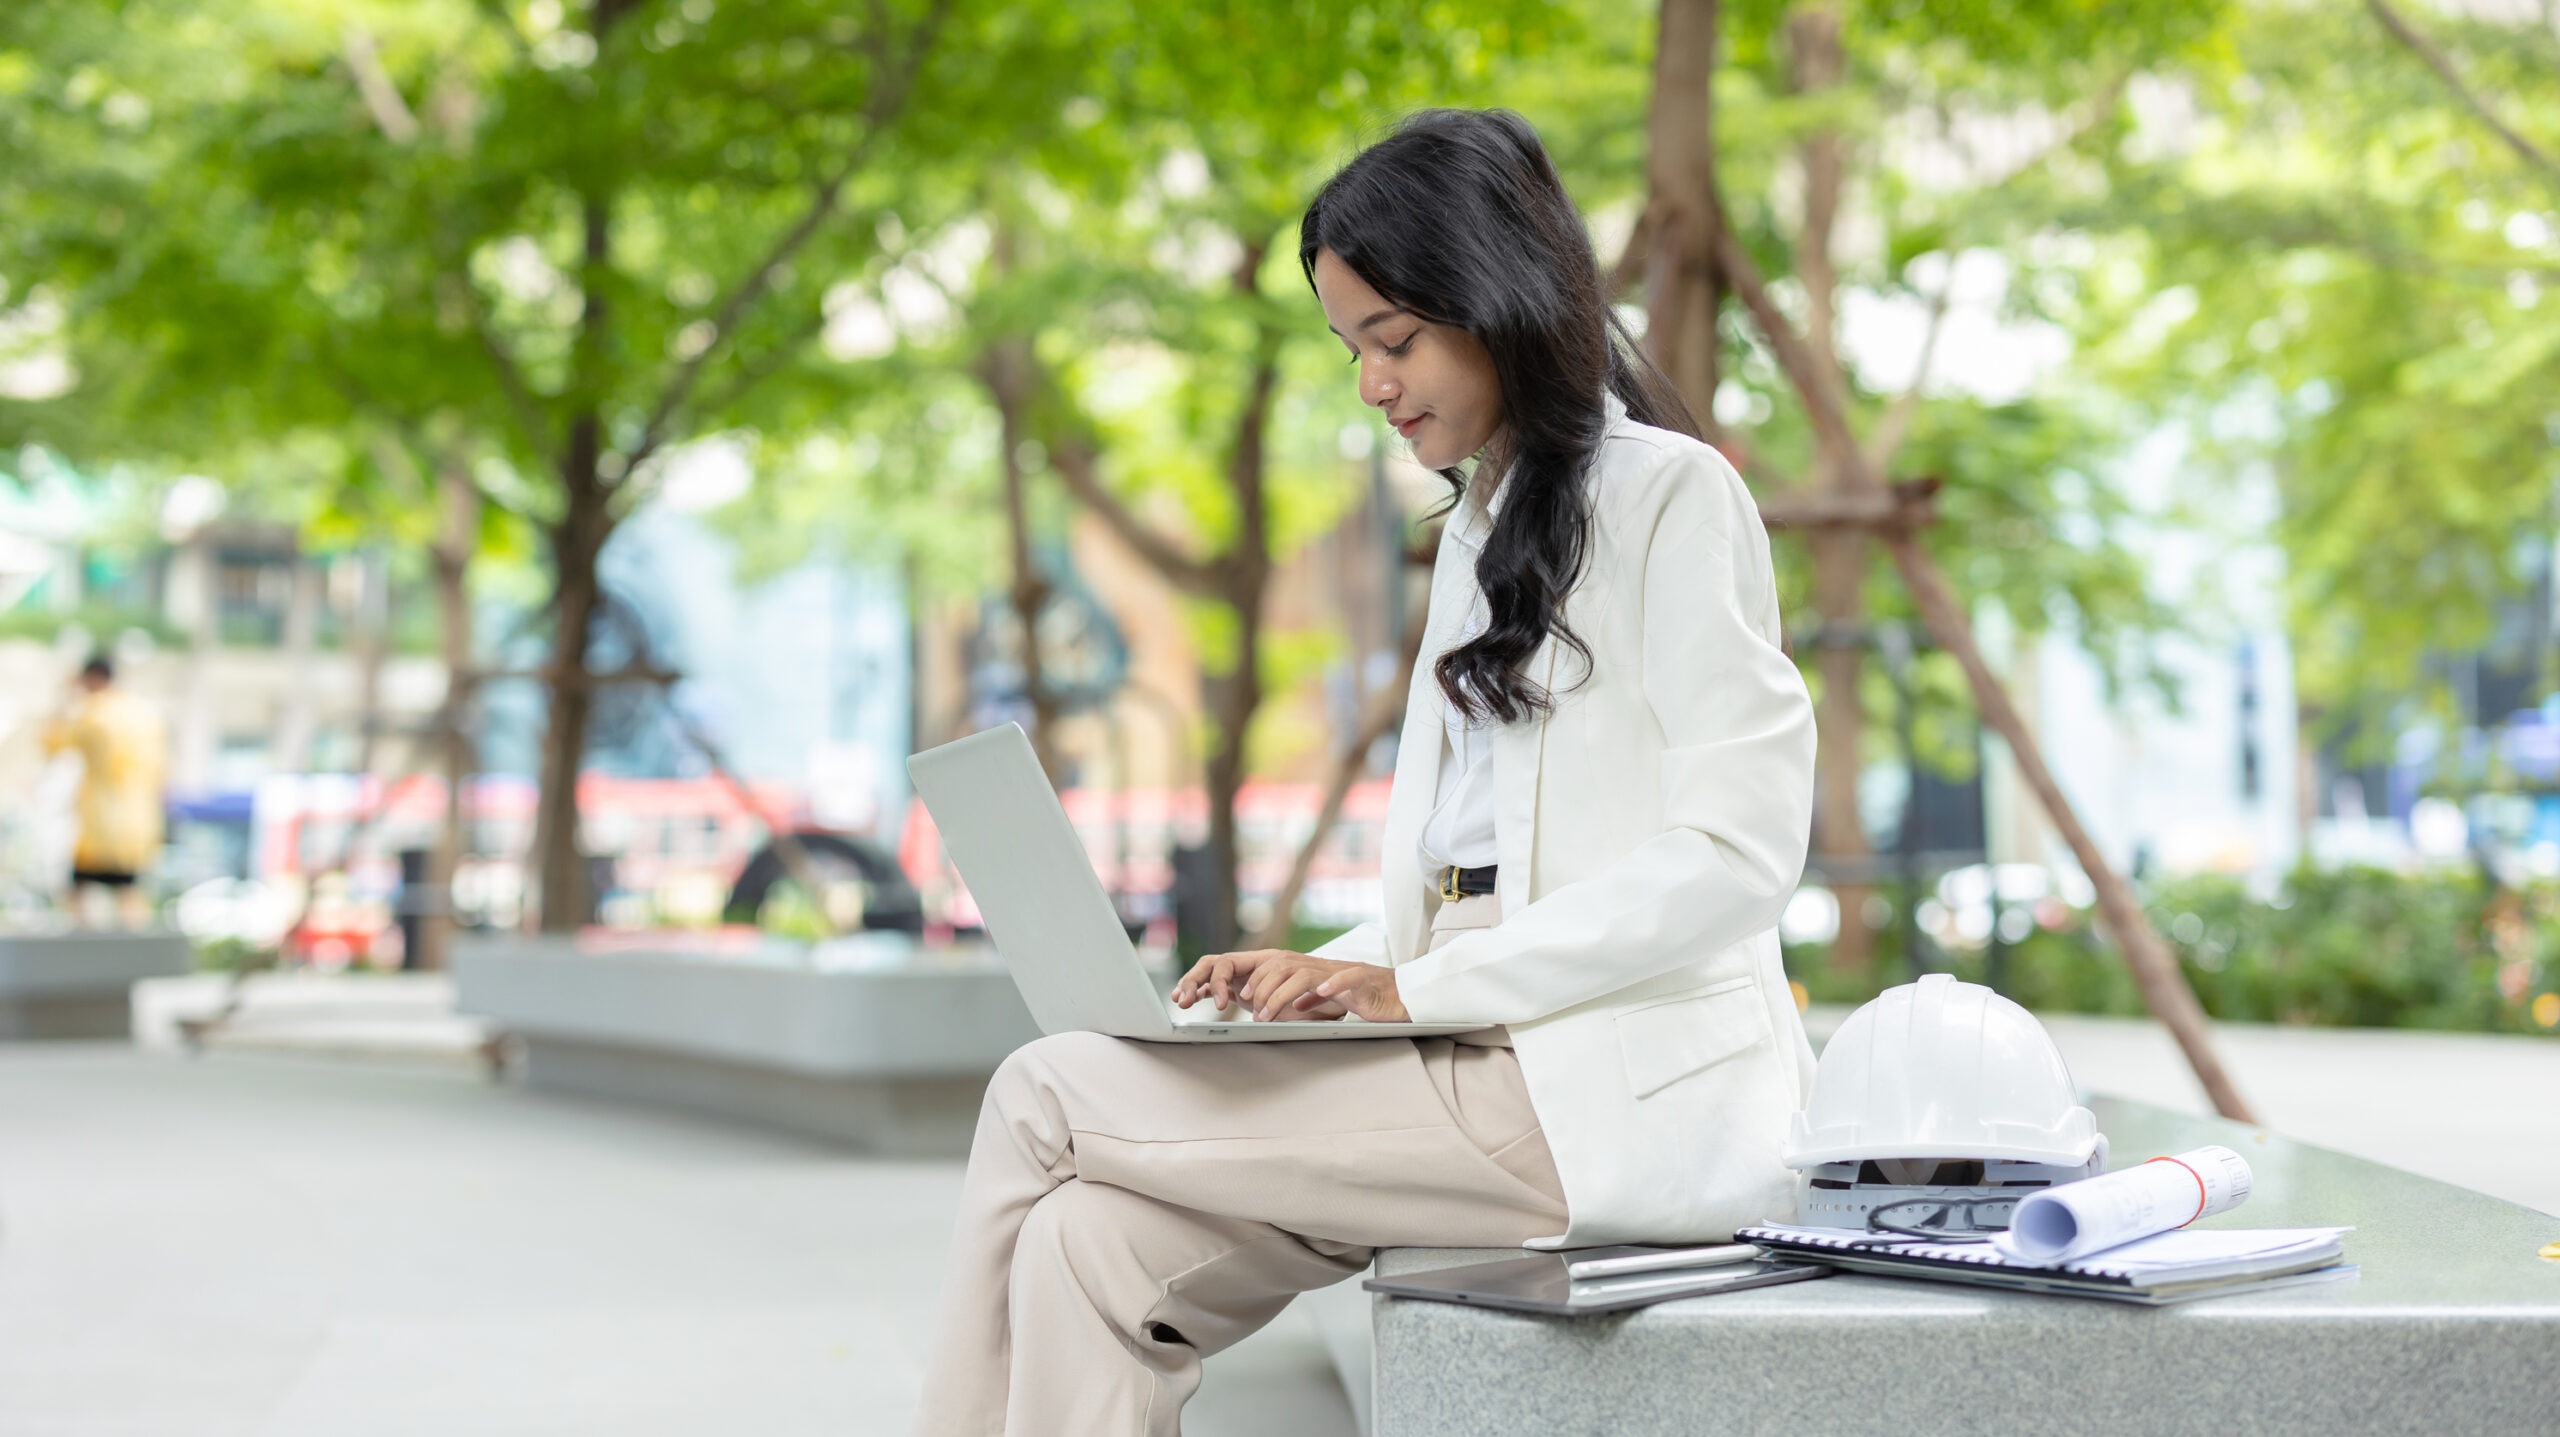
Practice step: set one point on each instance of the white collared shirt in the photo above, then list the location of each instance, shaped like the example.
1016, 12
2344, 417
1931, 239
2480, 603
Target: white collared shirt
1461, 828
1460, 831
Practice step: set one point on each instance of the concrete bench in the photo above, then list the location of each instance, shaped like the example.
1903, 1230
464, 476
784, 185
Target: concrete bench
77, 985
869, 1040
2452, 1324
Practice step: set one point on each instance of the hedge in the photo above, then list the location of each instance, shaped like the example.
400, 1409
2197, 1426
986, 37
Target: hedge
2345, 947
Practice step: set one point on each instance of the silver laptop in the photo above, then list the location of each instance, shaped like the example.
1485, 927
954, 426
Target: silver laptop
1051, 920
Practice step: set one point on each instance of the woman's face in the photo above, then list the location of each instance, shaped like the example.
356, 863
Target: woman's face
1434, 382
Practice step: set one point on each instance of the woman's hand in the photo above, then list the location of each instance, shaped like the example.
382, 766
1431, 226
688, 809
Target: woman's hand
1221, 977
1297, 985
1279, 984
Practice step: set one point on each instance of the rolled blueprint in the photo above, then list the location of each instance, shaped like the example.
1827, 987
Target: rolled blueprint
2094, 1214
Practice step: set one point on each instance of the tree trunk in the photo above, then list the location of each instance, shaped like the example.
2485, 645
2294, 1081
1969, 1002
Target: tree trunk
1679, 270
1010, 377
576, 543
372, 644
1244, 572
1817, 62
457, 536
1840, 837
1235, 697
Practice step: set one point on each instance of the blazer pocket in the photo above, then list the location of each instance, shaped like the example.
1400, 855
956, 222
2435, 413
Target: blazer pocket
1667, 1041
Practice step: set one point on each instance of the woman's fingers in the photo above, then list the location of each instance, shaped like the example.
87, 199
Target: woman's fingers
1264, 975
1255, 976
1278, 984
1199, 980
1276, 968
1276, 1000
1226, 975
1344, 988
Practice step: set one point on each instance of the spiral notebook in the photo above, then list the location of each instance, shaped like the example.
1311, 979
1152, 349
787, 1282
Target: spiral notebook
2168, 1267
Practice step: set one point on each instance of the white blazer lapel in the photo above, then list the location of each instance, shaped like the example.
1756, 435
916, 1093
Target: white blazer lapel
1417, 777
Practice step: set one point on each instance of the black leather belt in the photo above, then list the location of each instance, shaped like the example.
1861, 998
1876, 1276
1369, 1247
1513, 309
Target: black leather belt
1457, 883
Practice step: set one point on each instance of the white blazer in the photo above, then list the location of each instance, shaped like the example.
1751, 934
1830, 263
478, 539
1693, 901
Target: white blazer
1651, 828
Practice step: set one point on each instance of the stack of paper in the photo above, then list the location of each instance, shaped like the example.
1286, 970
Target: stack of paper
2167, 1267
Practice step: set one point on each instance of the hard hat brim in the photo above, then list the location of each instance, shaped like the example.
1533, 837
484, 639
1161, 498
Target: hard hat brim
2067, 1144
2069, 1155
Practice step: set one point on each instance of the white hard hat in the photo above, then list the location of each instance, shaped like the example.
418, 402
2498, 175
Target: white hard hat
1942, 1069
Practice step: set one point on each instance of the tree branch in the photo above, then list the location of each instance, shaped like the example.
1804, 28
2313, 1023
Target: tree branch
1816, 385
1907, 505
889, 96
1817, 62
1076, 468
1896, 425
520, 397
2100, 106
1382, 712
381, 97
608, 14
2438, 61
765, 365
495, 12
1246, 465
1631, 260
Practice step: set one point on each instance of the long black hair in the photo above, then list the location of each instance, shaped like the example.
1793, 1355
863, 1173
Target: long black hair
1459, 217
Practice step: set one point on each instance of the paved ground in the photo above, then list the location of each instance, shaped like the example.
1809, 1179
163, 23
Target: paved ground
289, 1248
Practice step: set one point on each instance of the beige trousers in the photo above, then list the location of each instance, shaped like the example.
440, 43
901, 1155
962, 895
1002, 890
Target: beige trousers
1133, 1207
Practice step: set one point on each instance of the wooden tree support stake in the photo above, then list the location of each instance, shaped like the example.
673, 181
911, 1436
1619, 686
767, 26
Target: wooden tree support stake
2155, 970
1896, 513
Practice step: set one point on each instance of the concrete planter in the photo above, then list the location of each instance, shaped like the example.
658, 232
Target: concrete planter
869, 1041
76, 985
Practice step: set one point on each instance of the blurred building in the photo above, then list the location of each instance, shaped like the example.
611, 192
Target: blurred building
304, 697
264, 657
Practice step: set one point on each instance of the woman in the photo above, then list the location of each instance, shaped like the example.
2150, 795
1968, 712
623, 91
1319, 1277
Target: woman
1601, 804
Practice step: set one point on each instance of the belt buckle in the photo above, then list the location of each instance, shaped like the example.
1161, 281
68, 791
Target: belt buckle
1449, 884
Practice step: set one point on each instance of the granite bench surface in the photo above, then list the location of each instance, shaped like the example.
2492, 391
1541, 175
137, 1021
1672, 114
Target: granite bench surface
2450, 1322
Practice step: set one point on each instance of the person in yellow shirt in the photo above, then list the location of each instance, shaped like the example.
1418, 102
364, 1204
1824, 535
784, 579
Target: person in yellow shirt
119, 738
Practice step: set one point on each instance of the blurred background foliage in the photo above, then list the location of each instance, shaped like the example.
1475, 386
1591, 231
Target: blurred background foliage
920, 259
2352, 946
2328, 267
